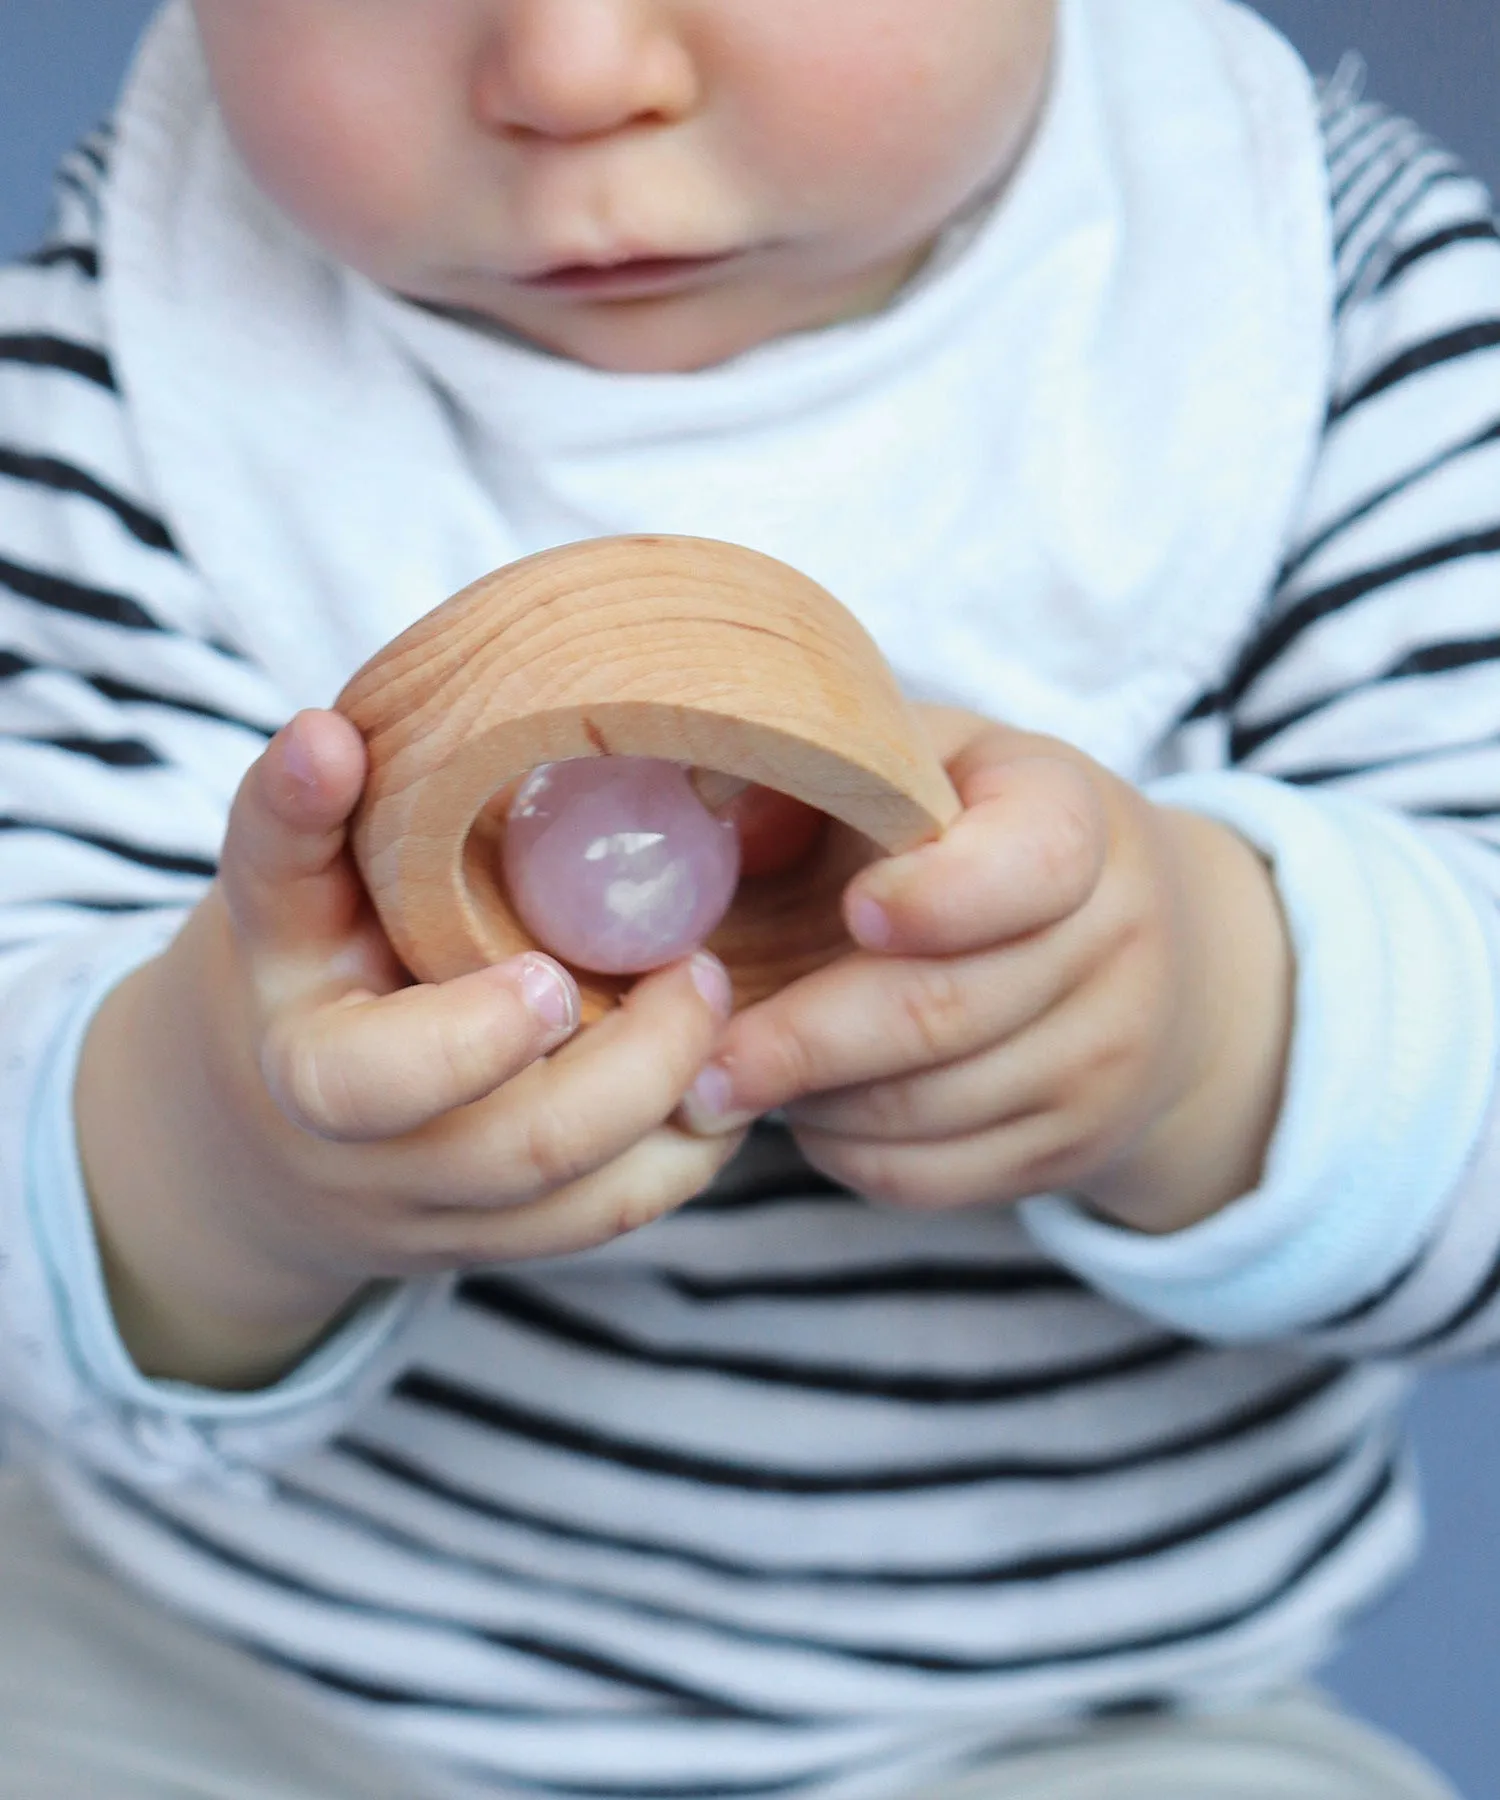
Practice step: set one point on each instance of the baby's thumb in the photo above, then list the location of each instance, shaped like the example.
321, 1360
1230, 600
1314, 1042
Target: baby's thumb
285, 876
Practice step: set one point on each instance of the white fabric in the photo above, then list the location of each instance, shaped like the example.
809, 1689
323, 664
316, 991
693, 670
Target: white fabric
101, 1691
1073, 538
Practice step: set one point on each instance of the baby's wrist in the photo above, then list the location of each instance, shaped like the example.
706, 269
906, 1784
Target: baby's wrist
1206, 1146
185, 1333
191, 1301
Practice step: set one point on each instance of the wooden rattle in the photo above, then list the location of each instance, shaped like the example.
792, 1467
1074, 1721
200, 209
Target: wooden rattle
695, 652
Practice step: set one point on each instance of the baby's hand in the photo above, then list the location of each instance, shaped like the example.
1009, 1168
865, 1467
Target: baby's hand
272, 1115
1073, 990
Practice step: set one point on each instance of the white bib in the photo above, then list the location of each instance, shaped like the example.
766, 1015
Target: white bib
1054, 478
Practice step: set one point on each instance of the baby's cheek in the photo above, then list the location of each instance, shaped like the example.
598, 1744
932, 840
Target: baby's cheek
356, 173
364, 210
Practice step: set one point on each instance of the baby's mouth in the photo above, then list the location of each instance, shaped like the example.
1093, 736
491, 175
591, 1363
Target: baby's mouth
631, 275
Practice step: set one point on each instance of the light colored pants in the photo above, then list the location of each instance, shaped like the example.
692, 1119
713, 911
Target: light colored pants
105, 1697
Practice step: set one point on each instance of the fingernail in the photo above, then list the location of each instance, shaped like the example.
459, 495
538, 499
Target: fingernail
869, 922
296, 758
549, 993
708, 1105
711, 979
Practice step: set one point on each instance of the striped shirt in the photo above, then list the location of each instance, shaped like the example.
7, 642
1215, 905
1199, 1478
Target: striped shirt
786, 1493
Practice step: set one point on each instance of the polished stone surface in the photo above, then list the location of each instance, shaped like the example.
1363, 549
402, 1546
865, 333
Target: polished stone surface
613, 863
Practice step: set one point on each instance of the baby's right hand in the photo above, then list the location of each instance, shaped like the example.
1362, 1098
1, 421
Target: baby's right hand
271, 1116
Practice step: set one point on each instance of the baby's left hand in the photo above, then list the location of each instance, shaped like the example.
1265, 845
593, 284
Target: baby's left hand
1074, 990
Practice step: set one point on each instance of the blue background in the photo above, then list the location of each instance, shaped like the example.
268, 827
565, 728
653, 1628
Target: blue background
1426, 1665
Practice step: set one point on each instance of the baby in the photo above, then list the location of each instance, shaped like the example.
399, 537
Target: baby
976, 1369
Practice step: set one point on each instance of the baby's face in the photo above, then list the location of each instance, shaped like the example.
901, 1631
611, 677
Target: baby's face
636, 184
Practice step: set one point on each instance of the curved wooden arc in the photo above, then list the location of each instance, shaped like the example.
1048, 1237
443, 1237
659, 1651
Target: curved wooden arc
684, 648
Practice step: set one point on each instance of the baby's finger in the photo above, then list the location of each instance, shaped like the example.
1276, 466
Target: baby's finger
654, 1175
1060, 1051
1033, 1154
869, 1019
1027, 852
370, 1066
559, 1121
283, 872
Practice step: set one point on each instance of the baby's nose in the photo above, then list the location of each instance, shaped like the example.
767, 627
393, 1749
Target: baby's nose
582, 68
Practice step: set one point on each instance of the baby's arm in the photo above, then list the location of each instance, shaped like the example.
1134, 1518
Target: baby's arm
270, 1117
1369, 698
128, 720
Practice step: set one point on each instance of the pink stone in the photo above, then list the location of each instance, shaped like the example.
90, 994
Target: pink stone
614, 864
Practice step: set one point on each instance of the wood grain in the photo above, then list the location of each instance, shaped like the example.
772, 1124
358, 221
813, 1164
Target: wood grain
685, 648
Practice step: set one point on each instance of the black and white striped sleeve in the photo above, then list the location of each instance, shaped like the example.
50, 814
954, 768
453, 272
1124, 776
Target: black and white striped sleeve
1357, 740
126, 724
125, 727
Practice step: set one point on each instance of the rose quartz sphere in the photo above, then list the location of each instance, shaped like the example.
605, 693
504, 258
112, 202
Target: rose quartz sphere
615, 865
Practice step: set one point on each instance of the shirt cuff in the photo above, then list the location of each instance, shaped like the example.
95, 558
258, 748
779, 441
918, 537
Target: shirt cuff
1389, 1081
172, 1428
